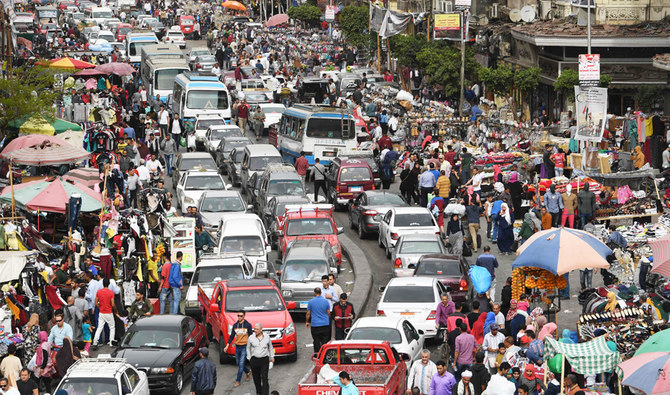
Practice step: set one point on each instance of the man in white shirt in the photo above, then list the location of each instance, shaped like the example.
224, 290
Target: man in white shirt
421, 373
476, 181
329, 292
491, 344
143, 173
500, 317
216, 70
499, 384
154, 165
163, 120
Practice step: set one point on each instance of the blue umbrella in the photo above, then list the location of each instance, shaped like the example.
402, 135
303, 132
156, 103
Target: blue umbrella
562, 250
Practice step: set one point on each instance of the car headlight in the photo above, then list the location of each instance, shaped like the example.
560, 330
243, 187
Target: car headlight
336, 248
230, 328
169, 370
188, 200
289, 330
192, 303
287, 293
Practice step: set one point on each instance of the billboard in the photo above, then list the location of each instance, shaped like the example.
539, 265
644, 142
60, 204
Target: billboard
589, 70
447, 26
591, 113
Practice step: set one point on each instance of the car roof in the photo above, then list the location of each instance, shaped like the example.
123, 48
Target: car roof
410, 210
208, 116
446, 257
222, 193
262, 149
292, 198
306, 248
262, 282
202, 173
420, 281
420, 237
199, 49
159, 320
344, 162
227, 260
106, 367
365, 342
280, 168
385, 322
198, 155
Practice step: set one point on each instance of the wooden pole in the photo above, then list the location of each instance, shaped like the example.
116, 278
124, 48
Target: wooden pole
562, 372
102, 209
11, 187
658, 195
428, 27
618, 382
379, 55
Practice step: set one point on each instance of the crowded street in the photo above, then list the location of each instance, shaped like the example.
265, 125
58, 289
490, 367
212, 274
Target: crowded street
258, 197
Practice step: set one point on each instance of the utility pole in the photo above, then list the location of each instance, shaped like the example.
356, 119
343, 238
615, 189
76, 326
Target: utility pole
462, 98
588, 25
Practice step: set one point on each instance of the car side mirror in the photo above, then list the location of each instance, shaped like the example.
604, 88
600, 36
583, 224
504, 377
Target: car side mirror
291, 305
279, 233
228, 186
381, 288
449, 289
268, 249
250, 207
214, 308
340, 230
189, 344
411, 266
421, 332
405, 357
261, 268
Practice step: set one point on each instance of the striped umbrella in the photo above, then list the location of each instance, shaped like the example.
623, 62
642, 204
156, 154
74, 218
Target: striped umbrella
661, 249
51, 196
46, 154
649, 373
29, 141
88, 176
562, 250
69, 63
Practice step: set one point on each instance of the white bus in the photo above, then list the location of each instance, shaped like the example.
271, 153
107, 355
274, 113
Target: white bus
197, 94
134, 43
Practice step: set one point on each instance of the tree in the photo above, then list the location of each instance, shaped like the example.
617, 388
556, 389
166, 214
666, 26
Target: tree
526, 80
500, 80
29, 93
647, 97
605, 80
565, 83
406, 47
354, 21
442, 63
307, 13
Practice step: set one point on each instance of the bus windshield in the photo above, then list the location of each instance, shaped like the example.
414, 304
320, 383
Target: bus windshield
135, 47
329, 128
164, 79
207, 100
102, 14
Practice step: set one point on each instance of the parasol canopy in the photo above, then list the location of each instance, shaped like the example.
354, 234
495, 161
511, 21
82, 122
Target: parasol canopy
234, 5
277, 20
71, 64
29, 141
73, 137
591, 357
661, 249
88, 176
89, 72
648, 372
122, 69
39, 125
51, 196
24, 41
561, 250
659, 341
46, 153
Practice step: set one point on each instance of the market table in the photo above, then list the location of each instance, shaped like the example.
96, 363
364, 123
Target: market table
629, 216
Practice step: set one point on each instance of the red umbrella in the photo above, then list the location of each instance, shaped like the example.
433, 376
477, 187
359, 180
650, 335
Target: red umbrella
277, 20
30, 140
117, 68
48, 154
86, 175
90, 72
661, 249
24, 41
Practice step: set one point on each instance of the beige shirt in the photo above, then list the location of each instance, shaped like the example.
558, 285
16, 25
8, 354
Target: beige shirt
11, 368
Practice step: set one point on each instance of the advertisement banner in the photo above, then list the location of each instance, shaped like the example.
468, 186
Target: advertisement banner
377, 17
589, 70
591, 113
184, 241
447, 26
461, 4
330, 13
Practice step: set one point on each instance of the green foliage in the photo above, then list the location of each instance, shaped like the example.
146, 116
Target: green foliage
605, 80
499, 80
647, 97
406, 47
28, 93
526, 80
307, 13
442, 62
354, 21
565, 83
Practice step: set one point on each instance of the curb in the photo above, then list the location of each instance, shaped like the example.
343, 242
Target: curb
362, 273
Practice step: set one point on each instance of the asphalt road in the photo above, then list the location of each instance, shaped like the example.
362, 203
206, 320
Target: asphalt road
285, 376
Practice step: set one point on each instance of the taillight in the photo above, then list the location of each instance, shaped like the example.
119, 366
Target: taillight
380, 313
394, 236
432, 315
373, 187
197, 65
371, 213
398, 262
337, 189
463, 285
437, 233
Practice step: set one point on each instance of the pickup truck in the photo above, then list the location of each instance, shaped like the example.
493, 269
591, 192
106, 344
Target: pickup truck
375, 367
262, 302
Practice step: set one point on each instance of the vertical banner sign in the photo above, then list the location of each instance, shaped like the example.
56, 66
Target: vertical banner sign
589, 70
591, 113
184, 241
462, 4
447, 27
330, 13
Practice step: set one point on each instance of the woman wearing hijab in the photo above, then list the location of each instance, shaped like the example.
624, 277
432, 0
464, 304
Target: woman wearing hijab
455, 234
490, 319
406, 183
528, 378
497, 174
540, 322
505, 229
638, 157
513, 305
547, 330
437, 208
478, 328
517, 323
31, 338
66, 356
527, 229
44, 367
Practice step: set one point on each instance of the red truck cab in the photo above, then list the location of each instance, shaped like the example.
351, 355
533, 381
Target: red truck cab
122, 30
186, 24
262, 302
375, 367
309, 221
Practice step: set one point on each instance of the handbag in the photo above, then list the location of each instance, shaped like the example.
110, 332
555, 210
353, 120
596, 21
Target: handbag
182, 141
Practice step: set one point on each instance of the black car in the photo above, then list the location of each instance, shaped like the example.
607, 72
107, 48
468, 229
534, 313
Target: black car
224, 149
234, 164
369, 207
165, 347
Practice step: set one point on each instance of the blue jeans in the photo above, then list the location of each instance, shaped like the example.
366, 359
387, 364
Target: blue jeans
241, 361
168, 163
584, 218
585, 277
566, 291
494, 219
176, 299
165, 292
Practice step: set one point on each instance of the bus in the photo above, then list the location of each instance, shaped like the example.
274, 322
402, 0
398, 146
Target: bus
46, 14
158, 75
199, 93
134, 43
321, 132
159, 51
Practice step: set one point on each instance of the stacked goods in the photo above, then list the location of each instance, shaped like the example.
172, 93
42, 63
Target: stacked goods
523, 278
501, 158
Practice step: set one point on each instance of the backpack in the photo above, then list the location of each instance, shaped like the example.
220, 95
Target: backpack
174, 279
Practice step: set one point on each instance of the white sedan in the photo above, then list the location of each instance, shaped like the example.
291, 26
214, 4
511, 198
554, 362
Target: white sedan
216, 133
412, 298
194, 183
400, 221
176, 37
406, 339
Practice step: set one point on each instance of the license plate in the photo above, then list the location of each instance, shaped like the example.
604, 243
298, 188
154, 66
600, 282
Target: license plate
329, 153
303, 305
406, 313
356, 189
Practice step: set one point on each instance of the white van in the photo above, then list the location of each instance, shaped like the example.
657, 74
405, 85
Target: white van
243, 233
256, 159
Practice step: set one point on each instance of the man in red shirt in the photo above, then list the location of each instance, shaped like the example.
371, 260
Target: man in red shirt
164, 285
385, 142
301, 166
104, 301
243, 115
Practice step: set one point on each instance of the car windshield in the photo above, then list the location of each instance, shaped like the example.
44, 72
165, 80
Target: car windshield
329, 128
151, 338
207, 100
438, 268
309, 226
416, 219
382, 334
285, 187
215, 274
202, 183
238, 156
304, 270
273, 109
194, 163
409, 294
232, 144
218, 204
281, 207
187, 22
135, 47
84, 385
253, 300
247, 245
262, 162
355, 174
384, 199
206, 59
195, 54
420, 247
220, 134
203, 124
124, 30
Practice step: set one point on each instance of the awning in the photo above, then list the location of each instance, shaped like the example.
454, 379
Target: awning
12, 264
592, 357
621, 178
